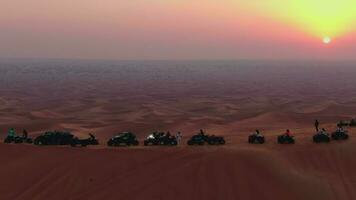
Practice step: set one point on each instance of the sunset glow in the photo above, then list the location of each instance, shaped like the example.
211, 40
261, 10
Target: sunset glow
326, 40
178, 29
318, 17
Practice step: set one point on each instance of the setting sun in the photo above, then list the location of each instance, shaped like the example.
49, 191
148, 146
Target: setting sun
326, 40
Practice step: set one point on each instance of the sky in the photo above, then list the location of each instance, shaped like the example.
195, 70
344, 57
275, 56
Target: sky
178, 29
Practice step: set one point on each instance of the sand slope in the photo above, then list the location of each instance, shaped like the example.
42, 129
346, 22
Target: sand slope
240, 171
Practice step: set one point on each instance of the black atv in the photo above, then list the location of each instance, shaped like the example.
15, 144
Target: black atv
84, 142
340, 135
123, 139
18, 139
256, 139
54, 138
353, 122
215, 140
321, 138
285, 139
159, 138
201, 139
343, 123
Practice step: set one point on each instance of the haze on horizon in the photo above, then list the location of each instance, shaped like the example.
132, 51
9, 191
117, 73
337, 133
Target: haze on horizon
178, 29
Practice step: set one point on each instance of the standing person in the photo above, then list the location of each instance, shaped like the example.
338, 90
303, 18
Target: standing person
179, 137
316, 125
24, 134
11, 132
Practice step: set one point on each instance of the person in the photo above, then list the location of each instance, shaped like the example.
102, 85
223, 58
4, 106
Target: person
353, 122
323, 131
201, 132
154, 135
339, 129
91, 136
24, 133
161, 134
258, 134
316, 125
168, 135
179, 137
287, 133
11, 132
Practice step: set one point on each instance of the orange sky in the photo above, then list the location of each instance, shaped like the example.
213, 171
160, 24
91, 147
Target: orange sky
159, 29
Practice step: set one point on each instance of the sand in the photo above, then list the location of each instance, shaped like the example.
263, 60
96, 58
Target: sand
223, 98
236, 171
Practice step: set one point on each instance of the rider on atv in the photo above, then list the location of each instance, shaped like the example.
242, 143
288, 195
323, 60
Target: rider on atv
323, 132
11, 133
287, 133
258, 134
340, 129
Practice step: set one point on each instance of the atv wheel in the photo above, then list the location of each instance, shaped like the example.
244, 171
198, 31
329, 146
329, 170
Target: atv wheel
260, 140
7, 140
211, 142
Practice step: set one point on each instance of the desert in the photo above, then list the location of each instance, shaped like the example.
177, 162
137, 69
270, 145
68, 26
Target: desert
228, 98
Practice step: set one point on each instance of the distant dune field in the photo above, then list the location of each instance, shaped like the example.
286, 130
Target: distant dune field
223, 98
229, 98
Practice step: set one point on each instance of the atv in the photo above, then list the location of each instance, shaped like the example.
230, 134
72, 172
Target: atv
17, 139
215, 140
123, 139
340, 135
159, 138
343, 123
54, 138
321, 137
256, 139
201, 139
85, 142
353, 122
285, 139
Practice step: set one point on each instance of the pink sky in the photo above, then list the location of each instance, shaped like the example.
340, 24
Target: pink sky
156, 29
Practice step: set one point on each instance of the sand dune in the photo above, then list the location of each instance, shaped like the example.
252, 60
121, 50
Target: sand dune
223, 98
236, 171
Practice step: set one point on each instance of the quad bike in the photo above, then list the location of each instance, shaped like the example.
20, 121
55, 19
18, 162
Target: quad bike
156, 139
201, 139
54, 138
256, 139
343, 123
285, 139
84, 142
340, 135
18, 139
321, 138
123, 139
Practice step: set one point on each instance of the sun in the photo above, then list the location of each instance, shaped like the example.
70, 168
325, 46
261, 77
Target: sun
326, 40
